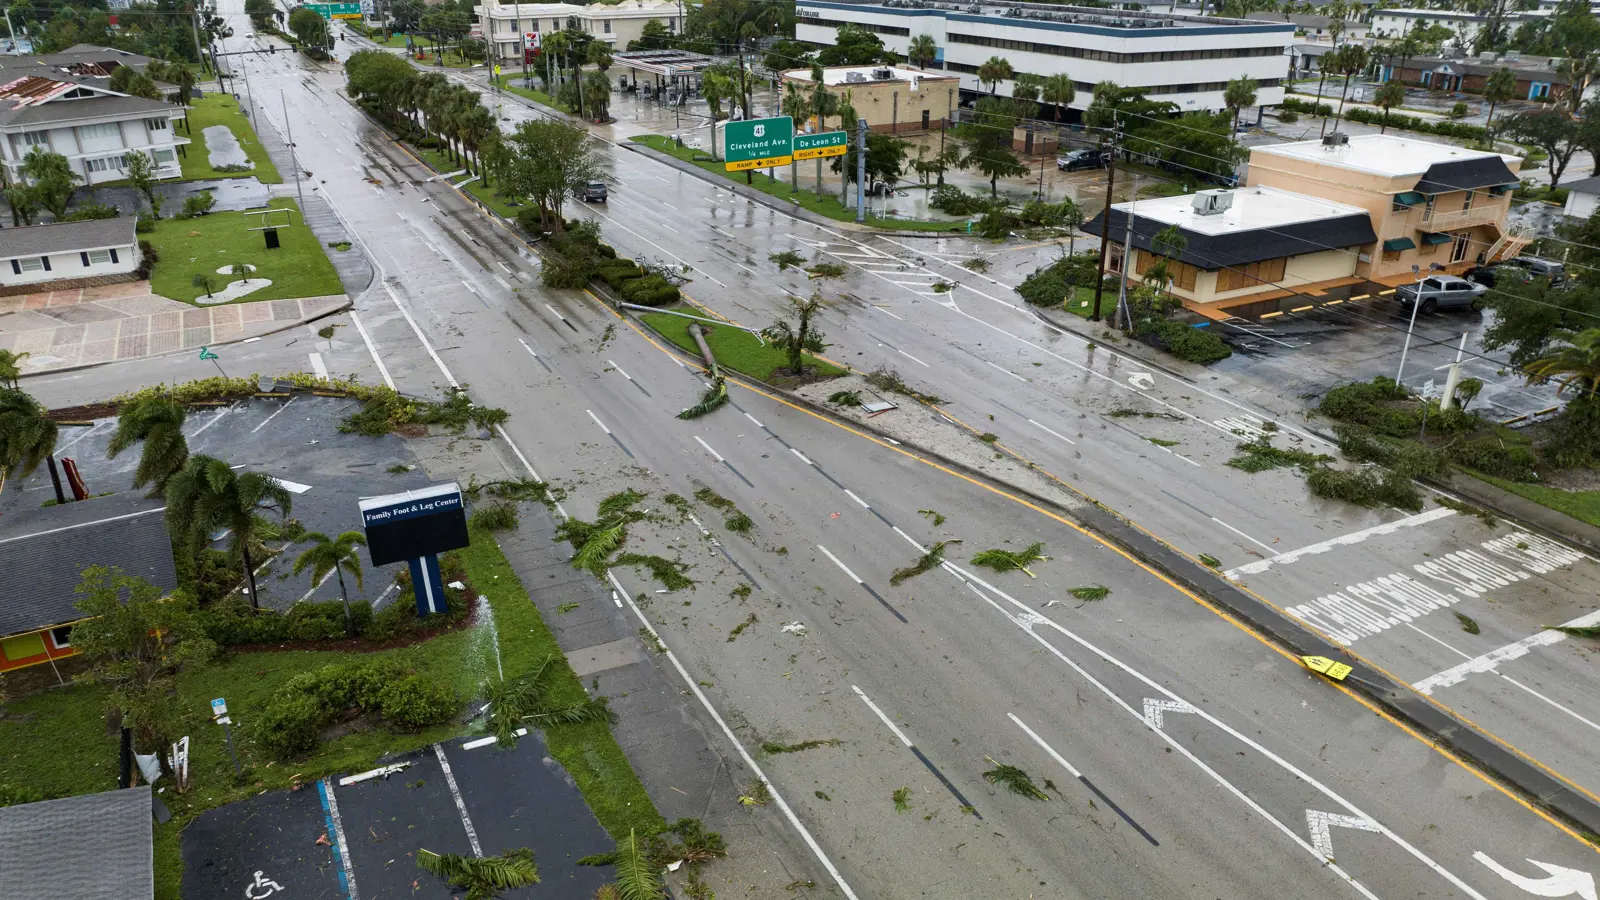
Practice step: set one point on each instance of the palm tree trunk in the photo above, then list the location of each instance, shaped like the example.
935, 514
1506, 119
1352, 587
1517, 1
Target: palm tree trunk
1488, 124
1342, 93
1323, 80
249, 572
344, 595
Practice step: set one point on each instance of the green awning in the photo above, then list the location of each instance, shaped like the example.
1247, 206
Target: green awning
1434, 238
1395, 245
1409, 198
1497, 190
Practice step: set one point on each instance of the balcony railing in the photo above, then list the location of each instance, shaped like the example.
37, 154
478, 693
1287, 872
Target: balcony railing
1463, 218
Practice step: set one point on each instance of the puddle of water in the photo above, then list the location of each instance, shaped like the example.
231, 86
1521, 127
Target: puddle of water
222, 148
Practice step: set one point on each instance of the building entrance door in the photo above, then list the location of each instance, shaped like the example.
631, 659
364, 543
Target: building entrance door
1462, 243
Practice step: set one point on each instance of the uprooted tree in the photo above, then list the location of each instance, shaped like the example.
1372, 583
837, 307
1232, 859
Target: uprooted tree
800, 337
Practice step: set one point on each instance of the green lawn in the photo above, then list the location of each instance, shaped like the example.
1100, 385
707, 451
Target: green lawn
187, 247
1581, 505
56, 742
536, 96
734, 349
1082, 302
441, 160
827, 206
222, 109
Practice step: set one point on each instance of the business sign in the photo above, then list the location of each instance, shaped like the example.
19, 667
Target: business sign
336, 10
820, 146
758, 143
414, 524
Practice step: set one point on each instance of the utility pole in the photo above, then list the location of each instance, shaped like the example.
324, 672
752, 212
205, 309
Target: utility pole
949, 113
248, 96
1121, 318
1105, 220
294, 157
199, 48
861, 171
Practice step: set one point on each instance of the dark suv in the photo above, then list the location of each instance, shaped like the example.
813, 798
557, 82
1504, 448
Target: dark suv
1523, 269
1082, 159
594, 192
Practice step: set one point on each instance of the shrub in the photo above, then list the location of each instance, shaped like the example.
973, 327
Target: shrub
1044, 288
414, 702
618, 272
1366, 487
144, 225
1288, 117
297, 713
1494, 455
1367, 403
1301, 106
1459, 111
956, 202
1409, 458
92, 211
1193, 344
495, 517
651, 290
198, 204
290, 725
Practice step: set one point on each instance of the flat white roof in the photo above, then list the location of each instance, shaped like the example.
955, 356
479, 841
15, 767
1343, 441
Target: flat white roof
1253, 208
621, 10
841, 74
1381, 154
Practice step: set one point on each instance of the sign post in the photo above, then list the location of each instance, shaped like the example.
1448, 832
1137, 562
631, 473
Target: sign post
219, 713
758, 144
415, 527
205, 353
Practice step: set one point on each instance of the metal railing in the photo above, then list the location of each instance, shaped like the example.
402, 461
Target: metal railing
1463, 218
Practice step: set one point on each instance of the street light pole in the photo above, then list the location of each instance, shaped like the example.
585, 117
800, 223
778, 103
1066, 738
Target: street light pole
861, 171
294, 157
1105, 222
1416, 304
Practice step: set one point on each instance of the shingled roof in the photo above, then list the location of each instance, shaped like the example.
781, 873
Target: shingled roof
43, 554
90, 847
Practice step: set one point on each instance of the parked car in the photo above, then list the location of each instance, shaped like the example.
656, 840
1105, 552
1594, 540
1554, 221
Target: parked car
1441, 292
1523, 268
594, 192
1087, 158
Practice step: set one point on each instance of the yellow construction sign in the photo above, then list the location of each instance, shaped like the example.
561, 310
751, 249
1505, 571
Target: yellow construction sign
1325, 666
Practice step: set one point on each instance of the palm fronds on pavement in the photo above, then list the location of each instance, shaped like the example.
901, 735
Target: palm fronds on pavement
1011, 560
929, 561
1090, 593
714, 396
1583, 631
638, 878
515, 703
483, 878
1015, 780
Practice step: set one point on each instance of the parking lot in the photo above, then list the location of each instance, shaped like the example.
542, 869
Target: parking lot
343, 838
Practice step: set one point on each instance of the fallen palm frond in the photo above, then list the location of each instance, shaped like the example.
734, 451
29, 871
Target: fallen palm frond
495, 517
1583, 631
694, 844
1468, 624
739, 628
902, 799
1259, 456
929, 561
515, 703
594, 542
757, 794
618, 503
606, 538
483, 878
775, 747
1210, 561
845, 398
1090, 593
785, 259
714, 396
1011, 560
738, 522
1014, 779
638, 877
667, 571
934, 514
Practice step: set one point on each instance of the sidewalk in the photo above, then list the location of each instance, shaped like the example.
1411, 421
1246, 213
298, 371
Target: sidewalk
111, 323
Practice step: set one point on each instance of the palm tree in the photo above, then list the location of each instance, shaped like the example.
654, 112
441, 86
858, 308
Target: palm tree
1059, 90
11, 368
1574, 366
158, 421
207, 494
994, 71
477, 127
1500, 87
1392, 94
1240, 93
797, 106
1352, 59
823, 105
27, 437
922, 51
333, 555
1325, 64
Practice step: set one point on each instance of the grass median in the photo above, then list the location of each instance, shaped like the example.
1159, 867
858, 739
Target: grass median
1581, 505
222, 109
734, 348
56, 742
825, 206
202, 245
441, 161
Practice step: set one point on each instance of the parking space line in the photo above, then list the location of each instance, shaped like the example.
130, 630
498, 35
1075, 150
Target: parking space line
461, 805
330, 809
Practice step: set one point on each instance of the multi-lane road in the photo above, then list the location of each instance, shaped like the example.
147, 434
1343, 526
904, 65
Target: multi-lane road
1185, 755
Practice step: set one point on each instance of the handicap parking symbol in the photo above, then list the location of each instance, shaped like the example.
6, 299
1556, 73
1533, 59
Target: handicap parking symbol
262, 888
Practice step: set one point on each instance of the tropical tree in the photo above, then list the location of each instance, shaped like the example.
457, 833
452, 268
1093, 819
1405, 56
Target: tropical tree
143, 177
309, 28
1574, 366
549, 161
51, 178
1027, 86
158, 422
1240, 93
11, 368
922, 51
1059, 90
717, 86
1552, 131
27, 436
597, 95
795, 340
333, 555
797, 106
1325, 65
24, 203
993, 71
1352, 60
1392, 94
207, 495
1101, 114
1500, 87
988, 141
598, 55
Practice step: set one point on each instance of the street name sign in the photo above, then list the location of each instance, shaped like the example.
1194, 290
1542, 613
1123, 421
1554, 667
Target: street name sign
758, 144
336, 10
818, 146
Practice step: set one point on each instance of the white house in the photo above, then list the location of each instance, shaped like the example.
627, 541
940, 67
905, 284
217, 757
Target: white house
81, 118
1583, 197
515, 28
1186, 60
68, 251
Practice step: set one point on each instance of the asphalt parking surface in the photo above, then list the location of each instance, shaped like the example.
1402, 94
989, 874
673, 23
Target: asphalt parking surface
326, 841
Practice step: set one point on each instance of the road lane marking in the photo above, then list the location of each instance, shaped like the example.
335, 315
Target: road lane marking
1050, 432
852, 495
1238, 532
1085, 780
535, 355
212, 421
1561, 881
714, 454
627, 376
420, 336
755, 420
461, 805
341, 849
802, 456
273, 416
597, 421
1490, 662
372, 349
886, 312
846, 569
1006, 370
560, 316
623, 447
863, 585
1355, 537
318, 366
1318, 823
917, 752
885, 719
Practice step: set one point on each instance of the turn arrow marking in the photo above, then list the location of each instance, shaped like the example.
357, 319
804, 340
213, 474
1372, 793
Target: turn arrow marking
1153, 709
1561, 881
1318, 822
1144, 381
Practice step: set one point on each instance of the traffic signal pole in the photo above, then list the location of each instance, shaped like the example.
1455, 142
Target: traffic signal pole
1105, 225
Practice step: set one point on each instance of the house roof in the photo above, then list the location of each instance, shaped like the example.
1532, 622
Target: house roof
1525, 69
111, 106
1263, 223
43, 554
1465, 175
66, 237
837, 76
1583, 185
89, 847
1387, 155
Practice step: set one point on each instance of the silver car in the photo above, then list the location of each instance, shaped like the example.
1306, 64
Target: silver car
1441, 292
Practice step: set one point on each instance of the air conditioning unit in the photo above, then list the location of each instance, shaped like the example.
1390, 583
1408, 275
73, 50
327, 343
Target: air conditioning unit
1513, 55
882, 74
1335, 139
1211, 203
1487, 56
854, 77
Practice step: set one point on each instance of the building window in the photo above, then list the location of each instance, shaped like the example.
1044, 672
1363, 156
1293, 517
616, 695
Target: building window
1237, 278
607, 24
156, 124
30, 264
1467, 203
61, 637
1182, 275
1390, 255
36, 139
164, 156
101, 257
96, 132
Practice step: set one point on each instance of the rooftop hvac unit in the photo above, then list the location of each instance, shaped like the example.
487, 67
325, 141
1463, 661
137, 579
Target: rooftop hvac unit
1335, 139
1511, 55
1486, 56
1211, 203
854, 77
883, 74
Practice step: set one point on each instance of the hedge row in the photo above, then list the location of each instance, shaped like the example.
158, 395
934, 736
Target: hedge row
1366, 116
576, 256
296, 716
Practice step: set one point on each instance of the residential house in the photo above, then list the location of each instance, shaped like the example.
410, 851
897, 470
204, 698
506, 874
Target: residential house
1537, 77
81, 118
1244, 245
88, 847
1317, 29
1428, 203
43, 553
515, 29
1583, 197
891, 98
68, 254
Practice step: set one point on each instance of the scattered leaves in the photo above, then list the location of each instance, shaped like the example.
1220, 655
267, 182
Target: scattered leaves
1014, 779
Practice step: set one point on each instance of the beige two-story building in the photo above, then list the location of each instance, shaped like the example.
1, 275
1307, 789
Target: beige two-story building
894, 99
1429, 203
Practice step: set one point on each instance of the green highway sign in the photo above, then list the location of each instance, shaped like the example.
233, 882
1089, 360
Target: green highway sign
817, 146
758, 143
336, 10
